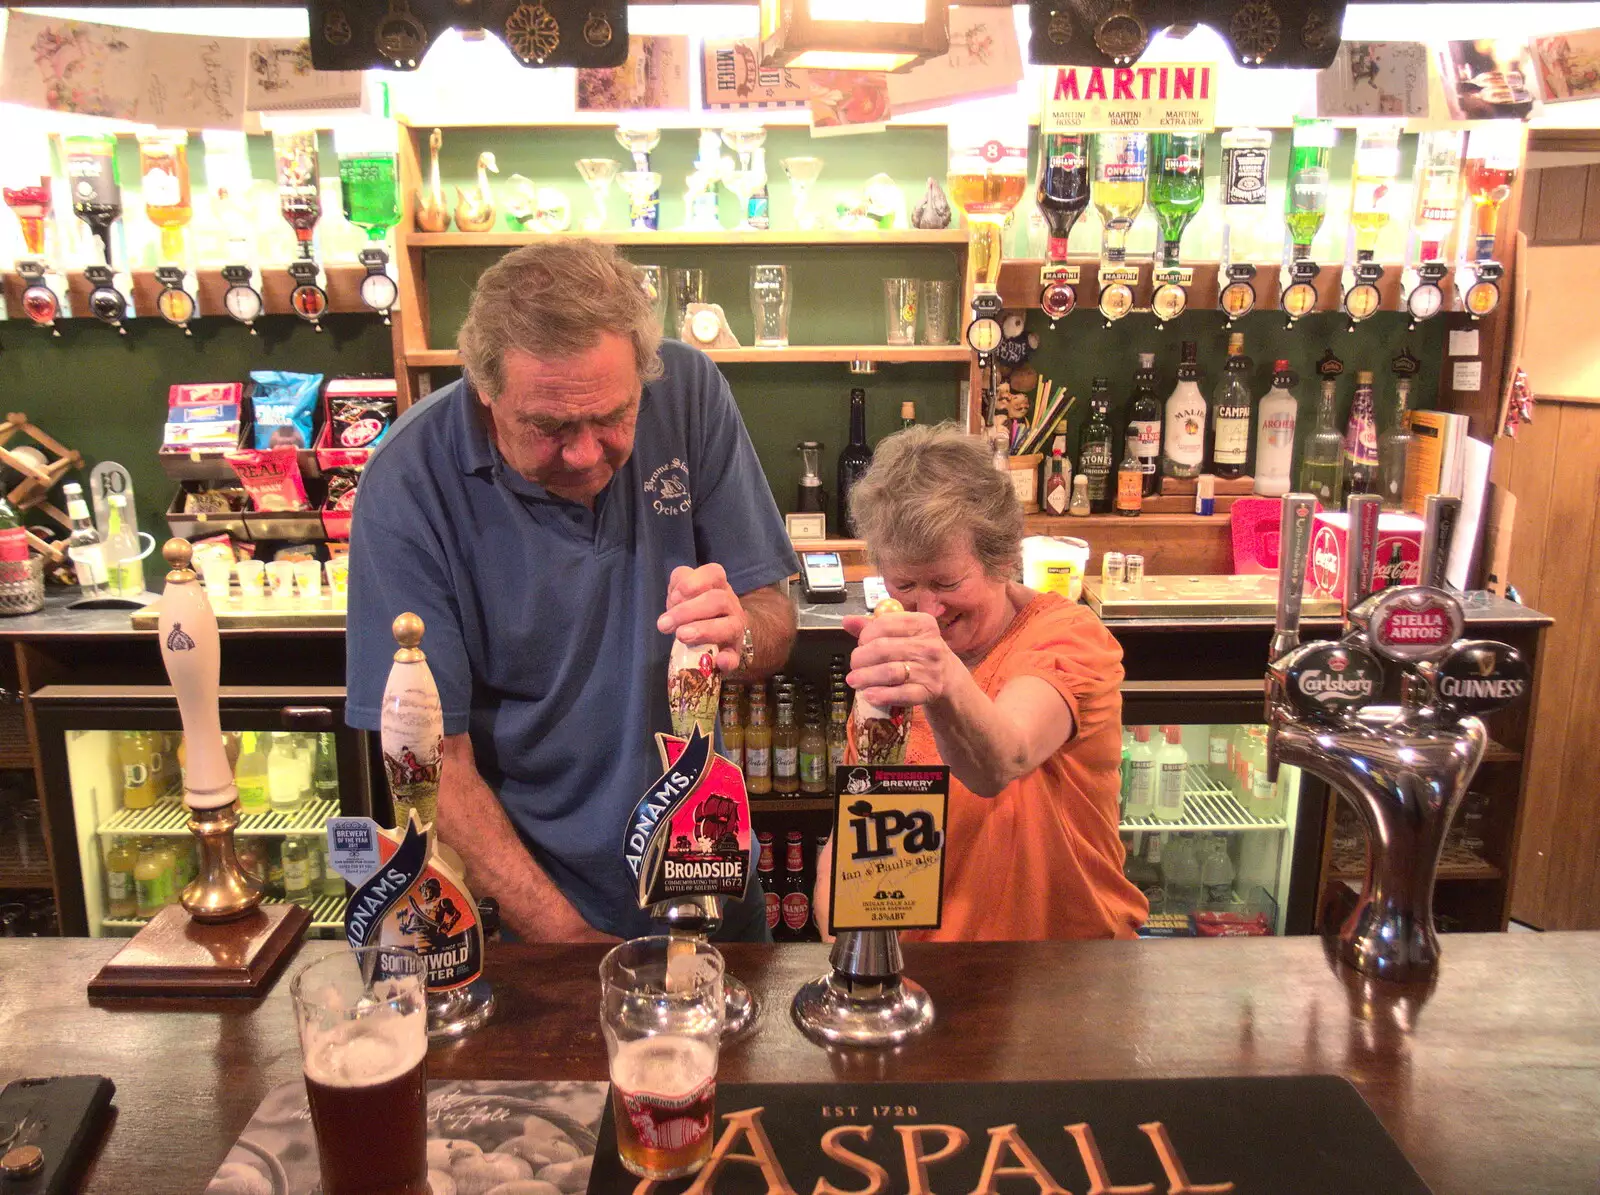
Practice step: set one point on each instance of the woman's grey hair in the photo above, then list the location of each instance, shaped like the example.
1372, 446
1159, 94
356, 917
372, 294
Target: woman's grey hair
932, 488
556, 300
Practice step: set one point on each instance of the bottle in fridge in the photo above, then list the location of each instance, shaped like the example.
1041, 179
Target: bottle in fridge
1172, 765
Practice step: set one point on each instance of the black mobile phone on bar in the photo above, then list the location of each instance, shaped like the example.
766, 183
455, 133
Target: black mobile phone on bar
49, 1129
822, 575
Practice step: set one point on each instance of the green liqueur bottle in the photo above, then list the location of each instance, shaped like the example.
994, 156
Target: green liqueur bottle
1177, 186
1322, 470
371, 198
1306, 196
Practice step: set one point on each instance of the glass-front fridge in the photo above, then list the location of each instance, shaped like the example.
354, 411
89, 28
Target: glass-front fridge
113, 763
1211, 839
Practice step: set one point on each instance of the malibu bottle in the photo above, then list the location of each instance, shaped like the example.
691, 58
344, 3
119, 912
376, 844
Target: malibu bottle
1183, 451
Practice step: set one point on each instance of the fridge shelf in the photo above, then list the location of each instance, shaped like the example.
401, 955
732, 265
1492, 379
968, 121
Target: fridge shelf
1207, 806
172, 817
327, 913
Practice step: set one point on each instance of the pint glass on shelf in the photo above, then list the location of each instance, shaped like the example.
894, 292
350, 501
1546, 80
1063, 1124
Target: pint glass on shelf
663, 1022
364, 1050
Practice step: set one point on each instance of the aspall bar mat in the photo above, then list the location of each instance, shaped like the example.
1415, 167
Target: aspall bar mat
1309, 1135
535, 1138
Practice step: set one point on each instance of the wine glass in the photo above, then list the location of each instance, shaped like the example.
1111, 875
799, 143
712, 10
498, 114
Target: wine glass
598, 173
803, 172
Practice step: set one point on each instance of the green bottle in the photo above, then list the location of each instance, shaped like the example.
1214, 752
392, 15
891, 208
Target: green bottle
370, 197
1306, 197
1322, 469
1095, 461
1177, 186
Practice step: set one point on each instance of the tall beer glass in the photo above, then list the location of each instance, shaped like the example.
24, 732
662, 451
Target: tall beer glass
663, 1023
364, 1046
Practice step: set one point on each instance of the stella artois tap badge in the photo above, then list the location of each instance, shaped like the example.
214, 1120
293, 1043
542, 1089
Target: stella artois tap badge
410, 888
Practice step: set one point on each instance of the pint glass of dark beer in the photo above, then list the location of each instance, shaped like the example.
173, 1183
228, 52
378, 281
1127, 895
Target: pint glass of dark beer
363, 1020
661, 1011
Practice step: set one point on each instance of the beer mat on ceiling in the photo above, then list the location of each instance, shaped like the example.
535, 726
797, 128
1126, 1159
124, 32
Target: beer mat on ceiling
482, 1135
1308, 1134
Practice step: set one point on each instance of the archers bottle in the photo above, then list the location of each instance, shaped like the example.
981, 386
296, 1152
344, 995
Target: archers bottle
1275, 422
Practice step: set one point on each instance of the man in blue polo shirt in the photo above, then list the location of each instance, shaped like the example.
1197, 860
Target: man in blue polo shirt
583, 495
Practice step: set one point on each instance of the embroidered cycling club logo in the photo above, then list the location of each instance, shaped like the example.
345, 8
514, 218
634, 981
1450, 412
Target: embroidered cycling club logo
668, 488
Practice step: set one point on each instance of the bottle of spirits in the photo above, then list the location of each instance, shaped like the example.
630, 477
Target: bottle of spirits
1183, 450
1172, 765
1361, 441
1230, 438
1120, 172
299, 193
1130, 479
1322, 471
1306, 196
85, 548
1063, 192
164, 174
96, 184
1394, 449
1246, 161
855, 458
1094, 450
1055, 482
1490, 169
1275, 423
1177, 187
367, 186
1141, 775
1438, 192
1144, 420
1377, 163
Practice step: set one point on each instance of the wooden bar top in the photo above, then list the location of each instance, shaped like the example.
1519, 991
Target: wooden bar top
1496, 1088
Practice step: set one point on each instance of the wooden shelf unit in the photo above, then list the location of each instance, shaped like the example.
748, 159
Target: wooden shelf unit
415, 356
343, 285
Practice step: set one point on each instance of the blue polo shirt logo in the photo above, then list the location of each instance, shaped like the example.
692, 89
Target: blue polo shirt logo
668, 488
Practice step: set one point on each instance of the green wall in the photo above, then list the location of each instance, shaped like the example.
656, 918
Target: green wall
106, 395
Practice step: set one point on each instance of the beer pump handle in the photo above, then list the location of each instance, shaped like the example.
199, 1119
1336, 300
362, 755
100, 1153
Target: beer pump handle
411, 727
1361, 556
1440, 515
1294, 548
192, 653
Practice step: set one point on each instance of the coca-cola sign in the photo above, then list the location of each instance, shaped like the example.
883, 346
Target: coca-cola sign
1332, 678
1414, 623
1480, 676
1399, 561
1327, 559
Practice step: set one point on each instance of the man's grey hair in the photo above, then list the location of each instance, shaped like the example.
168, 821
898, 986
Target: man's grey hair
930, 489
556, 300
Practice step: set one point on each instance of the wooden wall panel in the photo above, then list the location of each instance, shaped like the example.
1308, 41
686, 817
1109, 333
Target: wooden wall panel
1556, 566
1561, 195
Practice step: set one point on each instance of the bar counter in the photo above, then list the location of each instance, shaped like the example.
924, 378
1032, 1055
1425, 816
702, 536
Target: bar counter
1496, 1089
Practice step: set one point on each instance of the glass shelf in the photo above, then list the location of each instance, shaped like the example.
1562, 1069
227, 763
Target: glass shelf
1207, 806
327, 913
169, 817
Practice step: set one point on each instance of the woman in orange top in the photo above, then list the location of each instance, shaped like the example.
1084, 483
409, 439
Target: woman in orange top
1017, 692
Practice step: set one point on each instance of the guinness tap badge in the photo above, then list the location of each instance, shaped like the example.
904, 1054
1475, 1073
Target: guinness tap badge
1480, 676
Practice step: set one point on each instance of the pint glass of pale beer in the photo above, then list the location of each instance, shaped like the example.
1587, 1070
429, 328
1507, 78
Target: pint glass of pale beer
662, 1018
363, 1020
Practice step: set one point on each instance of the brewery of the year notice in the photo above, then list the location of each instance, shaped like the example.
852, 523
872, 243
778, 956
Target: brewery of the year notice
1162, 98
888, 857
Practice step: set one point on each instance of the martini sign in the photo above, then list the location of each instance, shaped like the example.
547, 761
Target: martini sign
1172, 97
